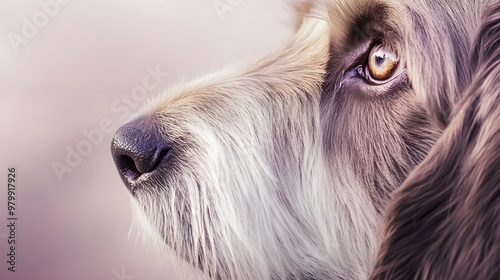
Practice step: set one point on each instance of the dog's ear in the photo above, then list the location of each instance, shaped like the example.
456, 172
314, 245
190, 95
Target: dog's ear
444, 222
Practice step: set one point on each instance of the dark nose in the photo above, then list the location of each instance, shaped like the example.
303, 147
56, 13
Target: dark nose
137, 149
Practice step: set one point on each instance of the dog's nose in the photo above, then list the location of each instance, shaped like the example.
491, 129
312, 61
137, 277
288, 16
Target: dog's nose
137, 149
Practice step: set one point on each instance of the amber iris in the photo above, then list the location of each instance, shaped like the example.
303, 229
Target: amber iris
382, 63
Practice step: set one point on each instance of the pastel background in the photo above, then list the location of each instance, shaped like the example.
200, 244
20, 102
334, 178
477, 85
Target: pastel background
64, 77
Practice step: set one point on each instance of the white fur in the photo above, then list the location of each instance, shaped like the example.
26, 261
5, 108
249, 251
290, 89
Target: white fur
267, 208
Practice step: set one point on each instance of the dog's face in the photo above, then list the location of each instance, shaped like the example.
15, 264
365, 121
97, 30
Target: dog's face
282, 170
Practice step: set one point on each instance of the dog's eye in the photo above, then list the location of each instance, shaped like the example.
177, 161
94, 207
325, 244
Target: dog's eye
382, 63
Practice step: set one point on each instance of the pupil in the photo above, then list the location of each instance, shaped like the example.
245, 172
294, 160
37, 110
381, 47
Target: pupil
379, 60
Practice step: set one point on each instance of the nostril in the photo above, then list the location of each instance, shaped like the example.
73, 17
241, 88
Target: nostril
137, 149
127, 167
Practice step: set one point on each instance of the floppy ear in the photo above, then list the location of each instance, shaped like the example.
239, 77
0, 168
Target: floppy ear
444, 222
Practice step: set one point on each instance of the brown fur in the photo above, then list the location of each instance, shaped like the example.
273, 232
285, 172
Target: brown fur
444, 222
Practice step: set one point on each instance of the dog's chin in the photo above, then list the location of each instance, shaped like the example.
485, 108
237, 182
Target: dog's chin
166, 209
151, 230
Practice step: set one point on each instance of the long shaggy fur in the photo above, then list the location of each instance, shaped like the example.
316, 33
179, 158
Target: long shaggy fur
448, 210
283, 169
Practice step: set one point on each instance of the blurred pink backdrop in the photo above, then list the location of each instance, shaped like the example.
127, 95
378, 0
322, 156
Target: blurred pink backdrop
63, 80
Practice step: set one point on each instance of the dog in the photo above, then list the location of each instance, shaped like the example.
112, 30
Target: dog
368, 147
